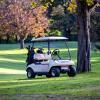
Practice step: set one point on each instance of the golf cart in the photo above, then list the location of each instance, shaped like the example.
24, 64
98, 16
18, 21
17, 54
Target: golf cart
50, 63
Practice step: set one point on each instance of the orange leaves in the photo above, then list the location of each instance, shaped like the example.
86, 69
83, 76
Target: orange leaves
22, 19
39, 32
40, 22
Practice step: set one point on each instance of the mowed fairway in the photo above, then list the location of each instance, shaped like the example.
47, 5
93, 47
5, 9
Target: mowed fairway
13, 80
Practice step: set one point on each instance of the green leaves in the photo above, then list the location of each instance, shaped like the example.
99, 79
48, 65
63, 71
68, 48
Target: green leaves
54, 33
43, 3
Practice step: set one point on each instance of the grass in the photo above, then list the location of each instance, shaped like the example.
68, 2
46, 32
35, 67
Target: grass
13, 78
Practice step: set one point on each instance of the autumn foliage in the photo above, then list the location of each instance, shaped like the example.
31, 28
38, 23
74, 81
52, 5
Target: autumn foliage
20, 18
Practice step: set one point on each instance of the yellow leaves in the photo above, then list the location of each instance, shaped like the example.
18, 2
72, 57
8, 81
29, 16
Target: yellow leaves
72, 6
89, 2
44, 7
98, 4
52, 0
34, 4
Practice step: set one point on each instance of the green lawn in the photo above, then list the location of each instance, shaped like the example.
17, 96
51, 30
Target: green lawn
13, 78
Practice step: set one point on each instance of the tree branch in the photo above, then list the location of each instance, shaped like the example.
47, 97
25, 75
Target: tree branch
92, 9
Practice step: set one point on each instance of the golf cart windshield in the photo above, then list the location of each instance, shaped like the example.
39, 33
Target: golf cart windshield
53, 45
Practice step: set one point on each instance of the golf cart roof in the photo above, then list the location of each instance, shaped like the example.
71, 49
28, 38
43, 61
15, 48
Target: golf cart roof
44, 39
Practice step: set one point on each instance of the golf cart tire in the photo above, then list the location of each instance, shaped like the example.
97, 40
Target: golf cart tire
30, 73
55, 72
72, 71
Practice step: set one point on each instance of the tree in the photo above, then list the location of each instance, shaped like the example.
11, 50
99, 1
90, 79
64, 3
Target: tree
23, 20
28, 21
84, 9
5, 20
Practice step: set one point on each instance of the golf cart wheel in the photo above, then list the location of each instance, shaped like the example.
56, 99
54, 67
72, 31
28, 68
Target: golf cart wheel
30, 73
72, 71
55, 72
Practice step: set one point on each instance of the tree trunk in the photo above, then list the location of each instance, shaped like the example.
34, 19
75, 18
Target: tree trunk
21, 43
16, 38
0, 39
83, 55
49, 11
7, 40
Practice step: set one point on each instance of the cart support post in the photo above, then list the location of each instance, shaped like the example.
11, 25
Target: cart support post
49, 47
68, 50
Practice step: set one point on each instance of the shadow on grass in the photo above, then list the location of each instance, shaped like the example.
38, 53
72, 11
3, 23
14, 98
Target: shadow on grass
13, 65
14, 56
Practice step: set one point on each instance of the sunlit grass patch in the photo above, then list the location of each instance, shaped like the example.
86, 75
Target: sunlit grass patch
11, 60
15, 51
11, 71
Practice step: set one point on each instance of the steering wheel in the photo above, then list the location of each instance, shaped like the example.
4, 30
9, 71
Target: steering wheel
55, 53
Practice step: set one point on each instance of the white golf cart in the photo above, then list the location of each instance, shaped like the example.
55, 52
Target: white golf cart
50, 63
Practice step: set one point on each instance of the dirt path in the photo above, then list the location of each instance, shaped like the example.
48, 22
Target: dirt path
44, 97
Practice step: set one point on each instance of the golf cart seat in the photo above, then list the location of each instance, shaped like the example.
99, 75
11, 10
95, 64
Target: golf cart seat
39, 56
42, 57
